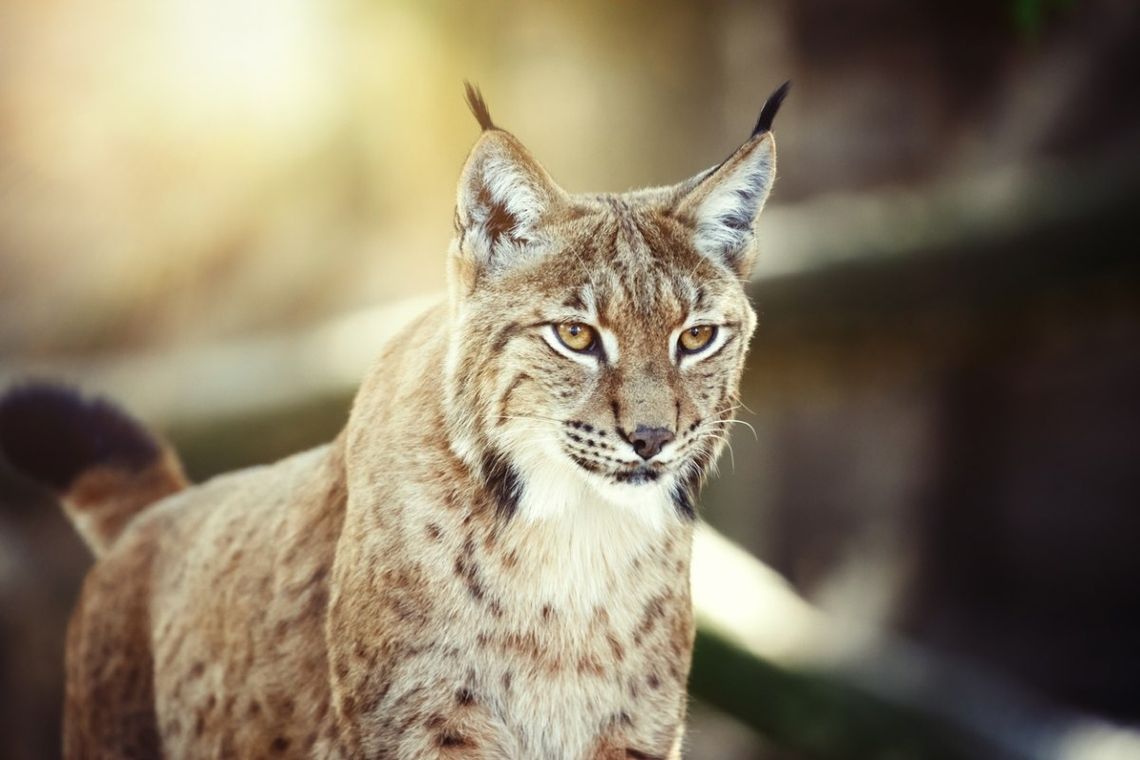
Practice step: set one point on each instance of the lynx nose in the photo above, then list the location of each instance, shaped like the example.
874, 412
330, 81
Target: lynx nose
647, 441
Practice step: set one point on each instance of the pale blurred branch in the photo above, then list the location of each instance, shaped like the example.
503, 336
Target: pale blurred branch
984, 209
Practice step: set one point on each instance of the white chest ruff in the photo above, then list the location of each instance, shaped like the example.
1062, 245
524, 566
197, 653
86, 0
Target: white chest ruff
591, 569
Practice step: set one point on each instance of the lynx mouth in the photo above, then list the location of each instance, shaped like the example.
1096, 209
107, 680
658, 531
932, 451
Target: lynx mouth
635, 475
591, 450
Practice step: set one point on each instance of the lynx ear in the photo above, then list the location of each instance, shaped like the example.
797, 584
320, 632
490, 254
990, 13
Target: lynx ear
504, 196
722, 204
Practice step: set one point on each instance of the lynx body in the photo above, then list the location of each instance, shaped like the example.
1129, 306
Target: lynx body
492, 559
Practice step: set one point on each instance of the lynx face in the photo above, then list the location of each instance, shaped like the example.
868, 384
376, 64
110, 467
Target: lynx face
599, 340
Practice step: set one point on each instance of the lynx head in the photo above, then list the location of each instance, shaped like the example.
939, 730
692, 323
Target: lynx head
597, 341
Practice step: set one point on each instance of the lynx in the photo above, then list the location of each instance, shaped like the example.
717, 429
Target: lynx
492, 559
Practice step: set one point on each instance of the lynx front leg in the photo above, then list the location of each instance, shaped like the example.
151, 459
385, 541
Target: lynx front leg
617, 747
452, 737
429, 723
109, 707
675, 752
443, 739
615, 752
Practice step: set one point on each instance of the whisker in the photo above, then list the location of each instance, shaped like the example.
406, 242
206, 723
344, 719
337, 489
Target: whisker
727, 422
551, 420
715, 436
731, 408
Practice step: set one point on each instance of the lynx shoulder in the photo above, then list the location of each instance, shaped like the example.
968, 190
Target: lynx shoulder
494, 565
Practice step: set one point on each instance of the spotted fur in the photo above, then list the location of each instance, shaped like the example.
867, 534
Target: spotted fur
482, 565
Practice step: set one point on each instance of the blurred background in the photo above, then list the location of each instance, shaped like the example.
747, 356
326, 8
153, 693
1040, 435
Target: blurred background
207, 207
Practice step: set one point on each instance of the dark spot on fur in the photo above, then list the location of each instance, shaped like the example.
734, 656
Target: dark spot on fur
464, 697
466, 569
452, 739
615, 647
279, 745
316, 576
502, 480
682, 496
585, 464
589, 665
575, 302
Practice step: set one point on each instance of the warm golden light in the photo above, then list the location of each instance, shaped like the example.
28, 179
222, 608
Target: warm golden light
246, 64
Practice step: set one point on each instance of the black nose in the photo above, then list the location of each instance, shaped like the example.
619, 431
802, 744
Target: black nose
647, 441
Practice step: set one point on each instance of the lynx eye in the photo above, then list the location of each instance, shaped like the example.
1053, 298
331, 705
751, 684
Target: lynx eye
696, 338
577, 336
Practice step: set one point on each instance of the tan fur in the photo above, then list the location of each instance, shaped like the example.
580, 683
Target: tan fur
104, 499
479, 566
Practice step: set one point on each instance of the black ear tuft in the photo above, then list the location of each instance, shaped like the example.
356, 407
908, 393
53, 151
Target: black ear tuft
478, 106
771, 106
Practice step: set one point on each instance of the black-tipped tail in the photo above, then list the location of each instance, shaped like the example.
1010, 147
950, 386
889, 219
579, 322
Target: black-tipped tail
770, 109
478, 106
51, 434
100, 462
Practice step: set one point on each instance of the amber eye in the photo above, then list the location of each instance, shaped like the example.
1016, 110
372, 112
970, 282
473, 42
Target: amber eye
576, 336
697, 338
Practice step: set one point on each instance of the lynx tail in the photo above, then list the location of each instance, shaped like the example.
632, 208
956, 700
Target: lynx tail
102, 464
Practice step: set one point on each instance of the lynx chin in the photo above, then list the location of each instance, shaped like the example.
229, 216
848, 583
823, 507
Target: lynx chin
492, 559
